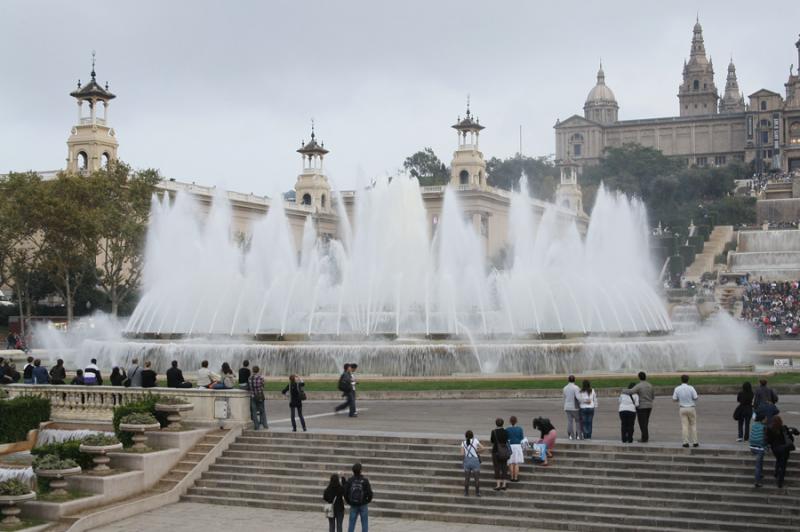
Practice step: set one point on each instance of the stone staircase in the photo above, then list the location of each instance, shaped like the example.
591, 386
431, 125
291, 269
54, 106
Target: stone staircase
729, 298
704, 262
589, 486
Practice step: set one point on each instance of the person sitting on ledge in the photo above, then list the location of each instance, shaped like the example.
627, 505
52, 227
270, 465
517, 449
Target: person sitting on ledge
244, 374
77, 380
93, 369
205, 377
58, 374
40, 375
117, 376
227, 380
175, 377
148, 376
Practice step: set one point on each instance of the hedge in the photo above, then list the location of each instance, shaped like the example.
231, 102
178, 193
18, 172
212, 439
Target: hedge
145, 405
21, 414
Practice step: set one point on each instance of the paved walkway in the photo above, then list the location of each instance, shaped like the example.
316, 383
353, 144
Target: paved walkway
191, 517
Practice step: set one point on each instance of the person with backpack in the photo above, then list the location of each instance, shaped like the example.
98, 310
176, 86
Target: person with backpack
470, 448
358, 494
334, 497
348, 392
501, 452
781, 439
296, 397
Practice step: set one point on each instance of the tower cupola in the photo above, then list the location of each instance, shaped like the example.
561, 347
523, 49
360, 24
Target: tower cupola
468, 167
312, 188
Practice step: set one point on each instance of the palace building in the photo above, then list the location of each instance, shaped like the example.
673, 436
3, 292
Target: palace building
709, 129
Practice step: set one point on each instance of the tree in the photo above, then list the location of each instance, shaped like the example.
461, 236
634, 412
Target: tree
122, 217
427, 168
540, 171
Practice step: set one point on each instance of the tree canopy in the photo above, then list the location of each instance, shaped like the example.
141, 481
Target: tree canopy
541, 172
427, 168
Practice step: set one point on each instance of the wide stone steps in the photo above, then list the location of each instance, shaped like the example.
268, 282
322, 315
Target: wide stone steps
590, 486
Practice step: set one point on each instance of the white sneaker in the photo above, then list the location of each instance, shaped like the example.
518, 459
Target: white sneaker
570, 436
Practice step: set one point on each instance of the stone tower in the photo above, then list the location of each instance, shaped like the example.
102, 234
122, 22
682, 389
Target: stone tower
312, 187
568, 192
732, 101
601, 105
93, 142
468, 166
697, 94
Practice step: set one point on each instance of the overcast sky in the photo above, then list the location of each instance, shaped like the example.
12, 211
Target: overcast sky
222, 92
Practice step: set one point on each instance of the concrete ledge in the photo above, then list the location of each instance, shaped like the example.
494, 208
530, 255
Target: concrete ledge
152, 465
112, 487
181, 440
53, 511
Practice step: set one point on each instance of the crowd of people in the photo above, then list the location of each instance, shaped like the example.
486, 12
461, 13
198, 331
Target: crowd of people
773, 308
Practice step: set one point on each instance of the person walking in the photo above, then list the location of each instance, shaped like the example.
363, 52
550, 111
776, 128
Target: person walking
764, 394
134, 379
358, 494
353, 382
744, 411
226, 381
627, 413
470, 449
572, 407
686, 396
258, 407
515, 437
58, 374
647, 397
758, 444
149, 376
175, 377
334, 497
781, 440
346, 387
40, 375
296, 397
588, 404
501, 452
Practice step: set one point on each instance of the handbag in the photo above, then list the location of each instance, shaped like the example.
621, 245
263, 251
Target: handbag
327, 509
737, 414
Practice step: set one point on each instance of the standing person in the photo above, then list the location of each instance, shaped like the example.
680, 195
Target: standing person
92, 368
744, 411
515, 437
765, 399
134, 378
353, 382
205, 377
226, 381
27, 371
149, 376
40, 375
346, 387
758, 444
118, 376
572, 407
780, 439
627, 413
258, 407
470, 448
501, 452
334, 496
358, 494
296, 397
58, 373
647, 397
588, 404
244, 374
175, 377
686, 396
11, 342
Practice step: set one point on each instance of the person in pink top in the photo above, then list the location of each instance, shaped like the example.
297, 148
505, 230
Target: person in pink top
548, 433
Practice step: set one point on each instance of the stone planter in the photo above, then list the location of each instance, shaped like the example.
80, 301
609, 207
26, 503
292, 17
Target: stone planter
57, 478
10, 511
173, 412
139, 437
99, 457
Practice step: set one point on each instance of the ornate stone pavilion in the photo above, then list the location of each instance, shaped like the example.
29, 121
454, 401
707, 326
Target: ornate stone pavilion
709, 130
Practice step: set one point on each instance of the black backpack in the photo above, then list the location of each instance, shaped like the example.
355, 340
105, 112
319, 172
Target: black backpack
344, 383
355, 492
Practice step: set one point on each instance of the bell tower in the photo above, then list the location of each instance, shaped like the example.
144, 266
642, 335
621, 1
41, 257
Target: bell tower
312, 187
93, 143
468, 166
697, 94
568, 192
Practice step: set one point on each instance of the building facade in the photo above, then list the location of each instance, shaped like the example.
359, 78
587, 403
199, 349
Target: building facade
709, 130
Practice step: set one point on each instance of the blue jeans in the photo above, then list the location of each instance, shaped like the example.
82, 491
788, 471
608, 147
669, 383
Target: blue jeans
759, 453
258, 412
587, 416
356, 511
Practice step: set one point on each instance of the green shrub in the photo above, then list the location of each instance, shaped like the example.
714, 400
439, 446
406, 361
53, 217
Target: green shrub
14, 487
21, 414
99, 440
49, 462
146, 406
65, 450
138, 418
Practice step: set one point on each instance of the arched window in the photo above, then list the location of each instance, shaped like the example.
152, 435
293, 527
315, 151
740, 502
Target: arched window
463, 177
104, 159
794, 133
763, 105
306, 199
322, 201
83, 160
696, 84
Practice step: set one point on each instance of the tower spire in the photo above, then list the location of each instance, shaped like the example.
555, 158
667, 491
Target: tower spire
93, 61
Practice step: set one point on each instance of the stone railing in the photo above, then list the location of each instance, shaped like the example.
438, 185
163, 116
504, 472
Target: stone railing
97, 403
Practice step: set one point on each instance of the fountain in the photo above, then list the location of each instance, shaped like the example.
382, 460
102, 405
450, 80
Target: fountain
395, 297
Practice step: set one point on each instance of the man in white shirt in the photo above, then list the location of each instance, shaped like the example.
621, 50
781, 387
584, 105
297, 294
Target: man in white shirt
686, 396
572, 405
205, 377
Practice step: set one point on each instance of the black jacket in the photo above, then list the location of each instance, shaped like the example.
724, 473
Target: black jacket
174, 377
148, 378
367, 489
335, 495
244, 375
294, 389
499, 436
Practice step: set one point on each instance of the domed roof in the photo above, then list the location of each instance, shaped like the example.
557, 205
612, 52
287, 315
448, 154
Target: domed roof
600, 93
